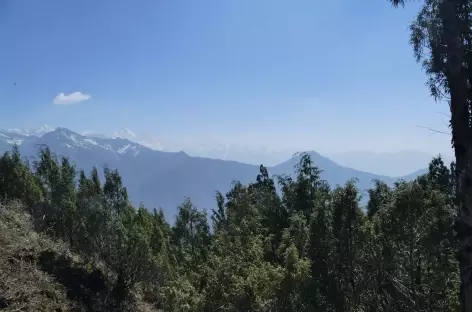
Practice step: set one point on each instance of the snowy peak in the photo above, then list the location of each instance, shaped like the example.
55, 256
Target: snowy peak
124, 133
68, 139
43, 130
38, 132
64, 136
14, 137
71, 139
128, 134
24, 132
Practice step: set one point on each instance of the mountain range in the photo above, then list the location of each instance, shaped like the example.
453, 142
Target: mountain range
399, 163
163, 179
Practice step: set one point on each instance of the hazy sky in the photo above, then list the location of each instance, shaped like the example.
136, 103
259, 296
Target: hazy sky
309, 74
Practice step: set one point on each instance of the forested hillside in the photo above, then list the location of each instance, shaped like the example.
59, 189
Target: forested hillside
164, 179
311, 248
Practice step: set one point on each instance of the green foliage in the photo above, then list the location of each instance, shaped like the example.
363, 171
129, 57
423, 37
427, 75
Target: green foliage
308, 248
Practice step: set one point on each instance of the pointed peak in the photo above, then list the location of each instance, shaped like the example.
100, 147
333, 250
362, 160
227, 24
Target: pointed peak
124, 133
65, 131
43, 130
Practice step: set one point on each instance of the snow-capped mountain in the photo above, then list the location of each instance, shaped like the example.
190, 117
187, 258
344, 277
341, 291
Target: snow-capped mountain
28, 132
129, 142
164, 179
208, 148
43, 130
66, 140
197, 148
125, 133
11, 138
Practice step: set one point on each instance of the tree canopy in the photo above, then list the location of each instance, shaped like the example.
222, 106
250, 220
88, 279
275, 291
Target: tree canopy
310, 247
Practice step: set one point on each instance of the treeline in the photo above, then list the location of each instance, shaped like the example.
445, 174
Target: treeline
311, 248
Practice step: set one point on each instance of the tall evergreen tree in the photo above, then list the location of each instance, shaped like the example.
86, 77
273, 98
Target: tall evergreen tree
441, 38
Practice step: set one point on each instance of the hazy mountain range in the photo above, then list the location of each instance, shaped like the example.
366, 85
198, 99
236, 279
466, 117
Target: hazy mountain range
383, 163
159, 178
391, 164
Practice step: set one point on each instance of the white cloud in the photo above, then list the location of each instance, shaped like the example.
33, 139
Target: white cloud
68, 99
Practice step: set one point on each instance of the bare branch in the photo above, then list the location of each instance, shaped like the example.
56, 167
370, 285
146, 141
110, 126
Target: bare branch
434, 130
444, 114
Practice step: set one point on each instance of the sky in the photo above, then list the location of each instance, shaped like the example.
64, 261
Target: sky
331, 76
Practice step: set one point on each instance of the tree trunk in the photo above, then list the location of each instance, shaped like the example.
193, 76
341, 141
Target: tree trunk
461, 139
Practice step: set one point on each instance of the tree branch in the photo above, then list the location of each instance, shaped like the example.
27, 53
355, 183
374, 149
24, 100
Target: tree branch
434, 130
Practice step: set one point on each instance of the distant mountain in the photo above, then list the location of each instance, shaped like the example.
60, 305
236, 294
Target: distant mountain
415, 174
28, 132
334, 173
244, 154
397, 163
207, 148
164, 179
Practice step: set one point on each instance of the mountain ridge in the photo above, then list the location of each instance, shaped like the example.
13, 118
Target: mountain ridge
399, 163
163, 179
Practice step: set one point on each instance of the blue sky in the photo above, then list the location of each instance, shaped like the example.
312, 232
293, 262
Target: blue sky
326, 75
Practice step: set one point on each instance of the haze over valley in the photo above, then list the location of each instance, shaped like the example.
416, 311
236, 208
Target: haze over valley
161, 178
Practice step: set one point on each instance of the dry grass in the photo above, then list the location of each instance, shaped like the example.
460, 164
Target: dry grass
23, 286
